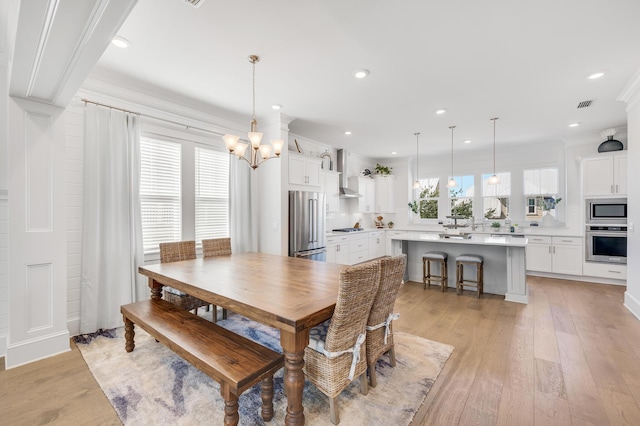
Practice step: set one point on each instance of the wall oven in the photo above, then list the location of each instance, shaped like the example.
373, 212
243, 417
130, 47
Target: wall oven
606, 211
606, 243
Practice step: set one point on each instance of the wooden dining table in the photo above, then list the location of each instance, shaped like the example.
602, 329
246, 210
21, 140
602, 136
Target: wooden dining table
290, 294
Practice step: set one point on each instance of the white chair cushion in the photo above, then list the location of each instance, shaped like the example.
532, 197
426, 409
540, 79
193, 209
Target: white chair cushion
318, 335
435, 255
470, 258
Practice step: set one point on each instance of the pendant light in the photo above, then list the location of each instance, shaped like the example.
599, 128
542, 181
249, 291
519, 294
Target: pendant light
494, 180
416, 184
452, 181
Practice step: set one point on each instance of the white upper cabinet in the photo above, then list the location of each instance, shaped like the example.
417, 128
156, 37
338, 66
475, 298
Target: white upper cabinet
304, 170
604, 175
385, 193
366, 187
330, 185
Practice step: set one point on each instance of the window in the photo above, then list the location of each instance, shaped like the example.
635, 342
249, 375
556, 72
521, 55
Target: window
428, 198
541, 192
461, 196
212, 194
495, 198
160, 205
184, 191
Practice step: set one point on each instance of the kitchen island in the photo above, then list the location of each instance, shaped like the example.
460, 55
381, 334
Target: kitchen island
504, 259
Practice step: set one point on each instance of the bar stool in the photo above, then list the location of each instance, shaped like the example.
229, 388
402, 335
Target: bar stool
441, 258
469, 259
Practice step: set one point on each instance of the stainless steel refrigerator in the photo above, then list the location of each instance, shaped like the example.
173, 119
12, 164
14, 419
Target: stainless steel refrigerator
307, 233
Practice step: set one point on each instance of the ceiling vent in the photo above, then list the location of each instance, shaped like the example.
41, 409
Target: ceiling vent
585, 104
194, 3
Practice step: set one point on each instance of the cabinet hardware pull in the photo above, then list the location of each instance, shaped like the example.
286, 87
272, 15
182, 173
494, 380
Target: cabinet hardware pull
612, 189
614, 272
549, 249
617, 188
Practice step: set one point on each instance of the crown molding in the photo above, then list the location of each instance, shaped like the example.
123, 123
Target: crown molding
631, 93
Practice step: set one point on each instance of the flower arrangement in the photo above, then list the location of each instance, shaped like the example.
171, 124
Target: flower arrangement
549, 203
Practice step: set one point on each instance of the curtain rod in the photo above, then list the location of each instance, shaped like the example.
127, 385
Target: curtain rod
187, 126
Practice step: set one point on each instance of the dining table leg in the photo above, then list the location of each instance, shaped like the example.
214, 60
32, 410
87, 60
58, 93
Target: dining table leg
156, 289
293, 345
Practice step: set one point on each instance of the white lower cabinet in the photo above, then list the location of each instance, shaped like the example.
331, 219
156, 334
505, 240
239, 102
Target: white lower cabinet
560, 255
338, 250
377, 245
605, 270
359, 248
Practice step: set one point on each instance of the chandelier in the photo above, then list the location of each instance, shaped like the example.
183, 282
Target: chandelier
239, 148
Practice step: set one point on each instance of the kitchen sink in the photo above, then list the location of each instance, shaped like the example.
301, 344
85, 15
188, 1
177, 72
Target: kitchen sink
461, 236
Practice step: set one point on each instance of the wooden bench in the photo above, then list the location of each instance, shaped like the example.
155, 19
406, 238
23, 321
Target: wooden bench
234, 361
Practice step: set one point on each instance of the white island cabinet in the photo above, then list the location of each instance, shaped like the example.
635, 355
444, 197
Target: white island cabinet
504, 260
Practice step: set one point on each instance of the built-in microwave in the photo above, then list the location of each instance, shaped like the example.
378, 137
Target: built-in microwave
606, 210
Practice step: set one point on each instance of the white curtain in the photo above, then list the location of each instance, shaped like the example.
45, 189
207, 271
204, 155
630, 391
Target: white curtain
243, 226
112, 233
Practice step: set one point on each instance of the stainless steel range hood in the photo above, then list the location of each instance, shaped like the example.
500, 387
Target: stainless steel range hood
343, 168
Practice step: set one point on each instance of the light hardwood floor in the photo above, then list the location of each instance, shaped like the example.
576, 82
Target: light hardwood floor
569, 357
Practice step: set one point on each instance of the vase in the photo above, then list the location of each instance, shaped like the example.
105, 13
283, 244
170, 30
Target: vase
610, 145
548, 220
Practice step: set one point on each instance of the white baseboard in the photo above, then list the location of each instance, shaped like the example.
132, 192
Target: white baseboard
632, 304
73, 325
37, 349
3, 345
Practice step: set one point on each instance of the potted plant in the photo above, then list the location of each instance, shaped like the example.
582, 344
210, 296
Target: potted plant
383, 170
390, 224
495, 225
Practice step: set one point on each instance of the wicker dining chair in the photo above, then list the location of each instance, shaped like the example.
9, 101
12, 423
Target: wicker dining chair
379, 330
336, 351
175, 252
217, 247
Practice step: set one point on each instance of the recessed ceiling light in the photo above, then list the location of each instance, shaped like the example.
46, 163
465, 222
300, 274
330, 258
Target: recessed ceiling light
441, 111
467, 141
574, 124
276, 106
596, 75
120, 42
360, 73
393, 152
348, 132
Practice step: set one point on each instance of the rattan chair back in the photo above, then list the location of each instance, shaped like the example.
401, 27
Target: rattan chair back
216, 247
355, 297
177, 251
391, 275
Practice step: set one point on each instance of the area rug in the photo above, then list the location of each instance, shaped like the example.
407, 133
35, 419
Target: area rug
154, 386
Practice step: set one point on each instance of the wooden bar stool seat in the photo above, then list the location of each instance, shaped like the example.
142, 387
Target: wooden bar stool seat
478, 262
441, 258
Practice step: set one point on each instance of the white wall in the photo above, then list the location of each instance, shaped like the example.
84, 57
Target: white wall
74, 181
631, 95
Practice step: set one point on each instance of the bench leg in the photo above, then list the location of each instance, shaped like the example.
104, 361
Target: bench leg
266, 393
129, 334
231, 416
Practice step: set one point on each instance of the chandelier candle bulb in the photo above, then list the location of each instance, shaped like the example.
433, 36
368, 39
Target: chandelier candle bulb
277, 146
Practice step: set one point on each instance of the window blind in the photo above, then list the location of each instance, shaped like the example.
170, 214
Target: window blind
211, 194
159, 192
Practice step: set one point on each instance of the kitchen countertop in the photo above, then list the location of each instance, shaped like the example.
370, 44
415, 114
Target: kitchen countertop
558, 231
487, 240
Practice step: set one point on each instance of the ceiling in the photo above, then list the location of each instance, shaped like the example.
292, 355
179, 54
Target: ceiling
525, 62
